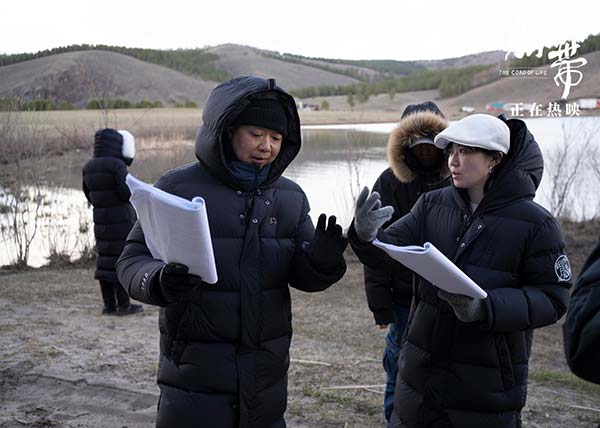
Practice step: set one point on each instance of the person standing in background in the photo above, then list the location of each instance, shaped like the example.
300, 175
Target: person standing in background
114, 216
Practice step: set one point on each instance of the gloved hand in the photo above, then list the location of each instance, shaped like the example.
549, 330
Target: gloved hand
327, 247
176, 282
369, 216
466, 309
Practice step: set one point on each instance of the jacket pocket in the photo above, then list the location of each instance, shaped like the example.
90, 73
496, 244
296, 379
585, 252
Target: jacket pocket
182, 331
505, 362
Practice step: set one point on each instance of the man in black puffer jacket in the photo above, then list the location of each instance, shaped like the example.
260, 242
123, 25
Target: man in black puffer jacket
416, 167
224, 348
104, 187
464, 362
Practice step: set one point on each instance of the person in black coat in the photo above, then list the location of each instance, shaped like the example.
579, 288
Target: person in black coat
224, 348
464, 361
105, 189
581, 330
416, 167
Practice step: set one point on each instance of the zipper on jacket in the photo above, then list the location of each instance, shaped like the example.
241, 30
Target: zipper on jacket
245, 217
466, 223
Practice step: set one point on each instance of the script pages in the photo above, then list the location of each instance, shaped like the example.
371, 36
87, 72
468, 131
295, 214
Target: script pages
176, 230
431, 264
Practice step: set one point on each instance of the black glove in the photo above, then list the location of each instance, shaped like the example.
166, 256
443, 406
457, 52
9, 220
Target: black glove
176, 282
327, 247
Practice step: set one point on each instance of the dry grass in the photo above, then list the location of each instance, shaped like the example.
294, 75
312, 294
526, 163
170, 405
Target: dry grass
57, 132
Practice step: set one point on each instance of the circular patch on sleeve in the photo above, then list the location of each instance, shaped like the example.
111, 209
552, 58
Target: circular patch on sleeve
562, 267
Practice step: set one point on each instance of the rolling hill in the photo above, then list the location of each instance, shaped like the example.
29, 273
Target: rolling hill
530, 90
505, 90
244, 60
77, 76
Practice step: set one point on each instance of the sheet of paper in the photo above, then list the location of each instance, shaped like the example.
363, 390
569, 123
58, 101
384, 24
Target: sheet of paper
431, 264
176, 230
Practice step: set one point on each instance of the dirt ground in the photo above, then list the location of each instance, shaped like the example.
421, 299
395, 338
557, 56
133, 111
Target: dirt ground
63, 364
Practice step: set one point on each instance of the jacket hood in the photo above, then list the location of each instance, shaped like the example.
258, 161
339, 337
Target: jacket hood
116, 144
408, 130
224, 104
520, 174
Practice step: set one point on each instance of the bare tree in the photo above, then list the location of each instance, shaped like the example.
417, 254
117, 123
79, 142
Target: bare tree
357, 147
566, 161
594, 166
101, 87
22, 144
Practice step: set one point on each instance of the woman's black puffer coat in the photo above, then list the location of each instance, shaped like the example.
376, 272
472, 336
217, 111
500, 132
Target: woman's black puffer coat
473, 375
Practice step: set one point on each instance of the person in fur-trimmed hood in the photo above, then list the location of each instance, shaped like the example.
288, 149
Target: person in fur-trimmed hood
416, 167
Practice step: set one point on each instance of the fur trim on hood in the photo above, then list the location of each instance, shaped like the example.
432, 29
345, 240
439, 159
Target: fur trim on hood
408, 130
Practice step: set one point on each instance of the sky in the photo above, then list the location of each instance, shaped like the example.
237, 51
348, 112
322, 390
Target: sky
375, 29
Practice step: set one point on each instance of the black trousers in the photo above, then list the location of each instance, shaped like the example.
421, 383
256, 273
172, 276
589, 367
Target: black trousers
113, 295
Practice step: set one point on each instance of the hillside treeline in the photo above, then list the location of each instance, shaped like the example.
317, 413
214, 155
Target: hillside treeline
194, 62
449, 82
590, 44
44, 104
352, 68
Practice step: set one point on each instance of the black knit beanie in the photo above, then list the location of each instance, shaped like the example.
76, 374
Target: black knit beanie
417, 108
264, 113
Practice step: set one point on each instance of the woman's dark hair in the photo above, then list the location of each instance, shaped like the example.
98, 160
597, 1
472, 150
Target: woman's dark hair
490, 153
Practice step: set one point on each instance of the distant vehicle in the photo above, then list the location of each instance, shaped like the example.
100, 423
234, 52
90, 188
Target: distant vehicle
495, 106
511, 106
467, 109
517, 108
588, 103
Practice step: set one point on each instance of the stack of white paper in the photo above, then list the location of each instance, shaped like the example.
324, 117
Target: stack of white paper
431, 264
176, 230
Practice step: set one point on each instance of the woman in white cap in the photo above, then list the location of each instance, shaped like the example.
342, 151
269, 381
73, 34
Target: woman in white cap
464, 361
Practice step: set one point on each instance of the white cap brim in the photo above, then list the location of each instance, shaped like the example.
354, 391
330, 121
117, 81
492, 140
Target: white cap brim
478, 130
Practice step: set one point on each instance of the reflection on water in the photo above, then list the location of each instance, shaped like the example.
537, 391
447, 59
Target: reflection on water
57, 220
335, 162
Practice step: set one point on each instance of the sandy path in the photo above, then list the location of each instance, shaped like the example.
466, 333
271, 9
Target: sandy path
63, 364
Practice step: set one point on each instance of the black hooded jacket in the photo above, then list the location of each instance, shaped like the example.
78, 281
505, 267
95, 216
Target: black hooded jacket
475, 374
400, 186
229, 342
581, 329
104, 187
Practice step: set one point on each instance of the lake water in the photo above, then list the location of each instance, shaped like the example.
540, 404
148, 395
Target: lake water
335, 162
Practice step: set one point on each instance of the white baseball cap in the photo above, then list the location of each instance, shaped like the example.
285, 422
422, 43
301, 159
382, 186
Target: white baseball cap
478, 130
